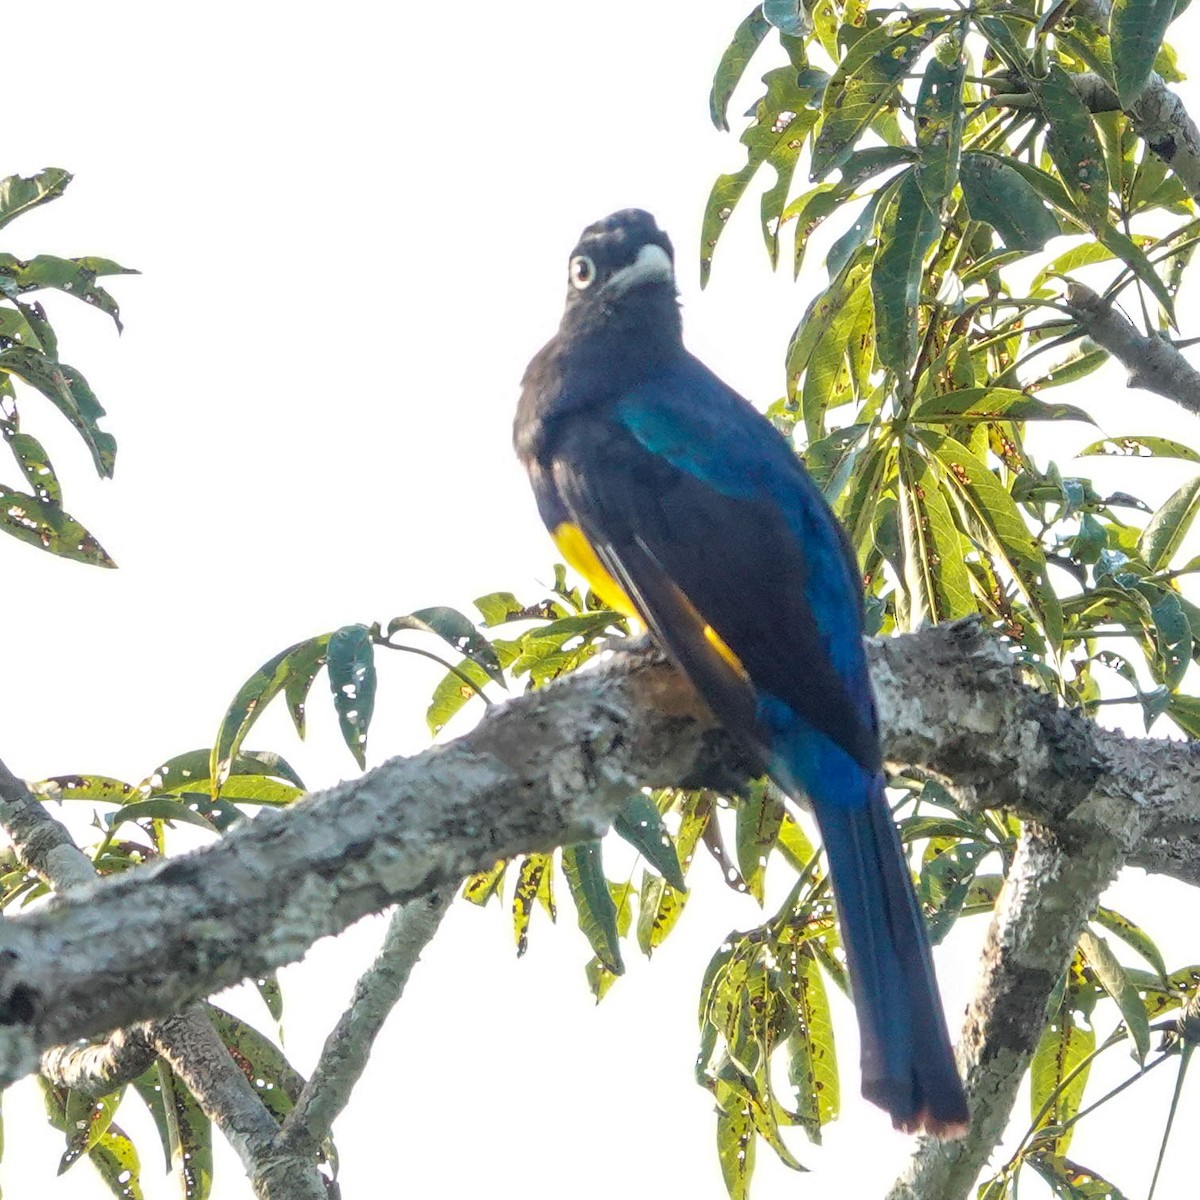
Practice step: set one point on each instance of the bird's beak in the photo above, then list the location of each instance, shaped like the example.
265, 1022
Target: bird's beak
652, 265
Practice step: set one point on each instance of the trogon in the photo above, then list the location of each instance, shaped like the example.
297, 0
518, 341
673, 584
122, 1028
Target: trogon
683, 506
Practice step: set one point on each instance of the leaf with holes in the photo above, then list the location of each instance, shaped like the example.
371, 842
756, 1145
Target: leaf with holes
865, 80
1142, 446
759, 818
781, 122
970, 406
1059, 1055
640, 824
69, 392
252, 697
939, 120
456, 630
43, 524
74, 276
998, 194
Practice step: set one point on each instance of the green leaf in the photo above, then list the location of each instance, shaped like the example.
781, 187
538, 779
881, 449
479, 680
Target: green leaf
252, 697
999, 521
583, 866
188, 1135
87, 1118
788, 16
1142, 446
1070, 1181
759, 818
116, 1161
746, 40
865, 80
935, 574
352, 680
1116, 982
998, 194
1169, 525
75, 276
454, 691
1073, 143
456, 630
812, 1055
304, 667
530, 877
781, 122
85, 787
659, 908
43, 524
159, 808
827, 375
68, 391
18, 194
1132, 935
939, 120
274, 1080
1132, 255
640, 824
1137, 28
35, 466
969, 406
483, 885
736, 1144
1063, 1046
907, 230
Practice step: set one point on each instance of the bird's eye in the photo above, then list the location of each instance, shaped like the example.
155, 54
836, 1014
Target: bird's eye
583, 271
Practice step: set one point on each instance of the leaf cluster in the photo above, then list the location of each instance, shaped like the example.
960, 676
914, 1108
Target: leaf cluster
29, 357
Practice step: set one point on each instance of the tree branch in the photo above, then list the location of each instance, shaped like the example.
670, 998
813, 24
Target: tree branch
1151, 362
187, 1041
344, 1055
1047, 897
547, 769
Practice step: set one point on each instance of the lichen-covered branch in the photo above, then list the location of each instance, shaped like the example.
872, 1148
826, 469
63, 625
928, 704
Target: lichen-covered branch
1046, 899
1150, 362
187, 1041
545, 770
344, 1055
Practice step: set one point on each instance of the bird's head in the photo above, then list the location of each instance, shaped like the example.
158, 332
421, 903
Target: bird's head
625, 250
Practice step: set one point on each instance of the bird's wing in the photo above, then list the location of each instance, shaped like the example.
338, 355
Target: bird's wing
701, 511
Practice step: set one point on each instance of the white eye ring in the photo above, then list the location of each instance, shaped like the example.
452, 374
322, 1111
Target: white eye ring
583, 272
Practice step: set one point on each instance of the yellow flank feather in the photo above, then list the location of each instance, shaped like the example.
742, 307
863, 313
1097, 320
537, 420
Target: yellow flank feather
578, 552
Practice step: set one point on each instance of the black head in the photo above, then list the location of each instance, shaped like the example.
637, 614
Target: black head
623, 251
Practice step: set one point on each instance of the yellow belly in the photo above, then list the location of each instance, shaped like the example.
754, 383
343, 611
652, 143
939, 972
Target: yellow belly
578, 552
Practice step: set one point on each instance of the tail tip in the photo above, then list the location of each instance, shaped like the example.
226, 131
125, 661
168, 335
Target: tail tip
943, 1128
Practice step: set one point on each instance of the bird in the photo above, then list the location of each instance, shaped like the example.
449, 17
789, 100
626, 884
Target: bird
682, 506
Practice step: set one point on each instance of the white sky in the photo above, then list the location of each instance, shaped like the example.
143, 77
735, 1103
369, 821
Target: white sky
352, 223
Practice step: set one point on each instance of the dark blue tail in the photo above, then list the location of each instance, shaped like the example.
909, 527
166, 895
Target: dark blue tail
907, 1063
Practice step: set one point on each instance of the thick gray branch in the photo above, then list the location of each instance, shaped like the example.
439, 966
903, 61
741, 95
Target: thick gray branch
187, 1040
542, 771
1150, 362
344, 1055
